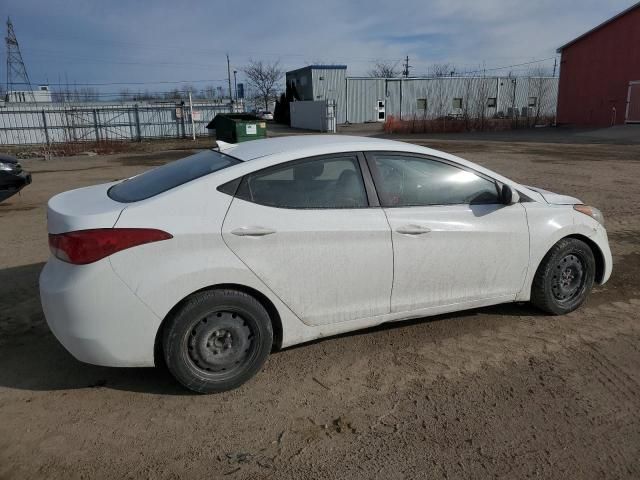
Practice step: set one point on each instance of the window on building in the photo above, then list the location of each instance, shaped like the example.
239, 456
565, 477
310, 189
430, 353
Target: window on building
422, 104
457, 102
533, 101
492, 102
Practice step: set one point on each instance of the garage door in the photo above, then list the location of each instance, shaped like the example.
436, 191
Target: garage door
633, 103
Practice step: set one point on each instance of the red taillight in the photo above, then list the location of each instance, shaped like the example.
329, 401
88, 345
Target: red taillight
87, 246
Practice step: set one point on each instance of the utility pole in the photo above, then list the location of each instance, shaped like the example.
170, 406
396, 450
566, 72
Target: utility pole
235, 85
229, 77
193, 127
555, 63
405, 71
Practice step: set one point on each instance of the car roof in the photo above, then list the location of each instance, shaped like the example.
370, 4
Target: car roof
308, 145
258, 154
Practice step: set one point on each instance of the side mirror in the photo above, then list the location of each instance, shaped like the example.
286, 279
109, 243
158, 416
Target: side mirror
508, 196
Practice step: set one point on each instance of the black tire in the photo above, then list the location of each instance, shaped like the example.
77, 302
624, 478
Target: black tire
564, 278
217, 340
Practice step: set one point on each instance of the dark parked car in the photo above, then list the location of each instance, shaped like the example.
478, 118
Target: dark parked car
12, 177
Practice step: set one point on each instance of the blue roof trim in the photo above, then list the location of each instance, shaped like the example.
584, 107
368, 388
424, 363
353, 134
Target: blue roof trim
319, 67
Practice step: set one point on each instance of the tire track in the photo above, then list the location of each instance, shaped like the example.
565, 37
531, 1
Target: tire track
470, 353
608, 377
622, 377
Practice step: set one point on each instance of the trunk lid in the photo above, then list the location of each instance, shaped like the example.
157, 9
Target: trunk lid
82, 209
556, 198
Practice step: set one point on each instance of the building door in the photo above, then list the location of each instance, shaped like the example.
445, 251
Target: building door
380, 109
633, 103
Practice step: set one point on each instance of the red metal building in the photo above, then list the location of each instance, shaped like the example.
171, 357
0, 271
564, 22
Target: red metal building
597, 74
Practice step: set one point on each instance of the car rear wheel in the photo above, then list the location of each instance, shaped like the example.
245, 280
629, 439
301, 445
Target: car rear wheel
564, 278
217, 340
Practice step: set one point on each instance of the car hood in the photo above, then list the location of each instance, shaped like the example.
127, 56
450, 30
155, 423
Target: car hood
8, 159
16, 167
555, 198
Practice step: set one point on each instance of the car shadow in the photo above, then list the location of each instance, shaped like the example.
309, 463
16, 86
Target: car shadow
32, 359
519, 309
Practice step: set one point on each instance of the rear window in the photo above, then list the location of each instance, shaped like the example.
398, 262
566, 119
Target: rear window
166, 177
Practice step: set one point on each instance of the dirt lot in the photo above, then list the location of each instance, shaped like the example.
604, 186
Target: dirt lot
497, 392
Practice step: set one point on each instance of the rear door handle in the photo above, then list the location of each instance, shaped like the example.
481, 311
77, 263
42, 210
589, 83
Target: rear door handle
252, 231
413, 230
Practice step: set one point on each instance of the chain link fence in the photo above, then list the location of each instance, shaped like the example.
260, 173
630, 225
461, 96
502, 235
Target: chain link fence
47, 124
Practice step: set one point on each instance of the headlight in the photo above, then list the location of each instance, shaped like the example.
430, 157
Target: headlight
7, 167
593, 212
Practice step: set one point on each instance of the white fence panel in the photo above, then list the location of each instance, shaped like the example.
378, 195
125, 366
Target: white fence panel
30, 124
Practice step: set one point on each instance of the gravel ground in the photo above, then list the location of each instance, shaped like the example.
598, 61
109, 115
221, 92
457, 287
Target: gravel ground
500, 392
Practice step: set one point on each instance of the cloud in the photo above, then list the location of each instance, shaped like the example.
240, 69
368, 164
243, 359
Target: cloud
123, 41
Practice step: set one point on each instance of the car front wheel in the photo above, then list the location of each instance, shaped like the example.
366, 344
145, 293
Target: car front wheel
217, 340
564, 278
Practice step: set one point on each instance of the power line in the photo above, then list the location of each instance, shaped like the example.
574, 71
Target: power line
85, 84
510, 66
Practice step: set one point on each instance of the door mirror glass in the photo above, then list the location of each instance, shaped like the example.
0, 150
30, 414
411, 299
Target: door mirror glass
508, 196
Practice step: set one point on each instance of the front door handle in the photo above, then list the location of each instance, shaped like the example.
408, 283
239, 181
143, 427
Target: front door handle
413, 230
252, 231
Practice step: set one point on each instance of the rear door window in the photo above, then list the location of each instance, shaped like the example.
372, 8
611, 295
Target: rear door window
171, 175
326, 182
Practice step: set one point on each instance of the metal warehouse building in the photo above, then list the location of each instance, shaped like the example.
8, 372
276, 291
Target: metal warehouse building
366, 99
600, 73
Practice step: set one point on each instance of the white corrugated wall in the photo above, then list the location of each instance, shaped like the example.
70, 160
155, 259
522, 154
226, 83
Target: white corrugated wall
359, 105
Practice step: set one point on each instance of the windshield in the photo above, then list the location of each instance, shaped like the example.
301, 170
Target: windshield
171, 175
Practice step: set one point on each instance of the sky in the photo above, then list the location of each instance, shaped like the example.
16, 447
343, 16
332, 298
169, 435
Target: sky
142, 45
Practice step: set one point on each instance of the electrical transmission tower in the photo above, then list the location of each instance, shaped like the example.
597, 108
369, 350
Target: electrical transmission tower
17, 77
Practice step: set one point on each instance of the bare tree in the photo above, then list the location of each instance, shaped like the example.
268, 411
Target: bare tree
125, 94
57, 96
466, 102
481, 97
87, 94
173, 94
439, 99
539, 86
189, 88
264, 77
385, 70
209, 91
442, 70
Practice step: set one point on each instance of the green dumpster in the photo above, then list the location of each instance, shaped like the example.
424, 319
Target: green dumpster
238, 127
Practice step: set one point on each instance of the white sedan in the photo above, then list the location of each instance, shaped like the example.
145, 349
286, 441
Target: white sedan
210, 262
265, 115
